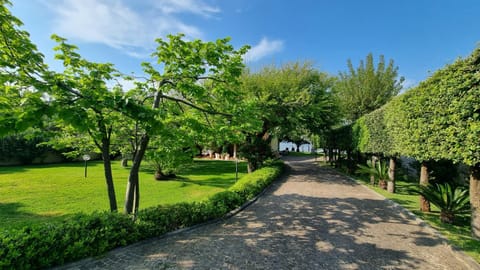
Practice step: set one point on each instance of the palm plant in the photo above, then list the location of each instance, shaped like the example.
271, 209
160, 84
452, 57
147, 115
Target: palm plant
379, 171
451, 200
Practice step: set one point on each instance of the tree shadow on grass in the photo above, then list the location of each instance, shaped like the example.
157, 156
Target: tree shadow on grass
12, 169
211, 182
12, 217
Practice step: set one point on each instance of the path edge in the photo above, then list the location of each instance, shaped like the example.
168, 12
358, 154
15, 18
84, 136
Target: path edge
458, 253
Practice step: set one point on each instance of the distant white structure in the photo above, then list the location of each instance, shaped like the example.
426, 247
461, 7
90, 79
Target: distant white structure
307, 148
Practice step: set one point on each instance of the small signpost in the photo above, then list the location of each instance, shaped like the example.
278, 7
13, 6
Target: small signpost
86, 158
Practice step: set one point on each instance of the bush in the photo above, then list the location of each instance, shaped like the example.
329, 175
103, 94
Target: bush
56, 243
83, 235
451, 200
252, 184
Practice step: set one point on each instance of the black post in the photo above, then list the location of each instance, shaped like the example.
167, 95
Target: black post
85, 169
236, 169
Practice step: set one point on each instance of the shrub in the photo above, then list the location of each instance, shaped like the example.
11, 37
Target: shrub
450, 200
379, 171
56, 243
252, 184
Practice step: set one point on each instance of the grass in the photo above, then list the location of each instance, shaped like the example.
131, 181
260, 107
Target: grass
302, 154
34, 194
459, 235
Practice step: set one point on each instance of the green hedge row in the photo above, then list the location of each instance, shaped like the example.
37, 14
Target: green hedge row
438, 119
91, 235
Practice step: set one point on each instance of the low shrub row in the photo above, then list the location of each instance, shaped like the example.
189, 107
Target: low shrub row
84, 235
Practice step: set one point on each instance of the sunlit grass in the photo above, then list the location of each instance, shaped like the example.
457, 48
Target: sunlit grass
34, 194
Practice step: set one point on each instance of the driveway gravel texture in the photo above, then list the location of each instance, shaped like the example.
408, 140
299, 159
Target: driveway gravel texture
311, 218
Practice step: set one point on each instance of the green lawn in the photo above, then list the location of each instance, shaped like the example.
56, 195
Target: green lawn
34, 194
458, 235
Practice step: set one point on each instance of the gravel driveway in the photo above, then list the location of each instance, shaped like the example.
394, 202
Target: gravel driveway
312, 218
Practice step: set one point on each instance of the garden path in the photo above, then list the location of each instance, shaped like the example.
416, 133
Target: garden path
312, 218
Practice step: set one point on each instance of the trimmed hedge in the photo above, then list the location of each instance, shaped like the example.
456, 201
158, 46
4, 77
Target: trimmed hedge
91, 235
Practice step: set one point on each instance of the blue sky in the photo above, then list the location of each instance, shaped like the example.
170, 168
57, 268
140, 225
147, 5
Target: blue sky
419, 35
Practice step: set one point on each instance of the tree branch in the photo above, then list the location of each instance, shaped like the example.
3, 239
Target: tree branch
195, 106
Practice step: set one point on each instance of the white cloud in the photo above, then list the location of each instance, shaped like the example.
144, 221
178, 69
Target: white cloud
186, 6
118, 25
265, 48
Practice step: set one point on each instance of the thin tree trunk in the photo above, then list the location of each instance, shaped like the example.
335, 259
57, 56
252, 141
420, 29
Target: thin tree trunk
107, 169
124, 162
330, 156
475, 199
132, 195
424, 204
391, 175
250, 167
374, 165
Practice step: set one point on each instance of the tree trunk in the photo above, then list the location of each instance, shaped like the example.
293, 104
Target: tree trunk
447, 217
132, 194
124, 162
424, 204
107, 169
475, 199
252, 166
374, 164
391, 175
330, 156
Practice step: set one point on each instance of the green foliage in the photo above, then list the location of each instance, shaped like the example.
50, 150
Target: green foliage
340, 138
56, 243
366, 88
21, 67
451, 200
290, 101
23, 149
171, 150
379, 171
439, 119
83, 235
251, 184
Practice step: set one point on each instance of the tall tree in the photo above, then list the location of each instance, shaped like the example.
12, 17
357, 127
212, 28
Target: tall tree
21, 67
195, 74
366, 88
78, 96
292, 97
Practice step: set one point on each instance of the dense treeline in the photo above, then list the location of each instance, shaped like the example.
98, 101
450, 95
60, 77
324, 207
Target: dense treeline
437, 120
